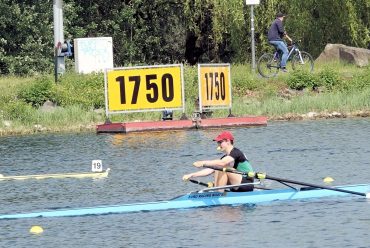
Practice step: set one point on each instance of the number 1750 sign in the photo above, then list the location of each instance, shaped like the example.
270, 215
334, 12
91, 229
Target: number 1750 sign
144, 88
214, 85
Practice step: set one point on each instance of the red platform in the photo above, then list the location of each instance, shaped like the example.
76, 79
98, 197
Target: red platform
233, 121
127, 127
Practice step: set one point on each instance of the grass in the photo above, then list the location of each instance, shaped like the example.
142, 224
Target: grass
342, 88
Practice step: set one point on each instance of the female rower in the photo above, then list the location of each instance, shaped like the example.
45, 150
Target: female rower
233, 158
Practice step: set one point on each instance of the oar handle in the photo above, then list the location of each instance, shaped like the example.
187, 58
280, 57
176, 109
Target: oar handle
256, 175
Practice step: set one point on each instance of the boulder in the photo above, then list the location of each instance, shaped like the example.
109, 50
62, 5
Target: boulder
48, 106
354, 55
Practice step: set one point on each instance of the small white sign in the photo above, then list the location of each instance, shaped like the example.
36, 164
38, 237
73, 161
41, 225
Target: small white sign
93, 54
96, 166
252, 2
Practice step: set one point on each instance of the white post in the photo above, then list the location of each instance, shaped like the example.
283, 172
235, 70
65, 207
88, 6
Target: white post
252, 41
59, 62
252, 3
58, 22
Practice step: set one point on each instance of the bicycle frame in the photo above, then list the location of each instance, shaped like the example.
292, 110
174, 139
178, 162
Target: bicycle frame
294, 49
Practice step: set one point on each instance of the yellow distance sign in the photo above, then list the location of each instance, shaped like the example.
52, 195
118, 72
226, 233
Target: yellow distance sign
143, 88
214, 85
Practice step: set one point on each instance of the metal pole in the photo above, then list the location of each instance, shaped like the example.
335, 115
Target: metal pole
252, 41
58, 37
58, 22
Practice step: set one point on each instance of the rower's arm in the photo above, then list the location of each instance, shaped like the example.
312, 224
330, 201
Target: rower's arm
201, 173
225, 161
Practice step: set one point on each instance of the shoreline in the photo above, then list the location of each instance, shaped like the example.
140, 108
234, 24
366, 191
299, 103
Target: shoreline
87, 128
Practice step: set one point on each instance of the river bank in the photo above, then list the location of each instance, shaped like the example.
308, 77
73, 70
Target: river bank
8, 130
36, 104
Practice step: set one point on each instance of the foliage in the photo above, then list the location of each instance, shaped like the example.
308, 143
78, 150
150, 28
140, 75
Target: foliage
300, 80
191, 84
362, 80
26, 37
243, 81
163, 31
359, 81
19, 111
86, 91
328, 78
38, 92
78, 94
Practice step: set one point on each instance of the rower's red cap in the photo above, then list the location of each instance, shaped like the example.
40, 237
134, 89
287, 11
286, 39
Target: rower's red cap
224, 136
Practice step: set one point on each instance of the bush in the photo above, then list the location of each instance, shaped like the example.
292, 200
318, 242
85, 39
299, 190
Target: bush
362, 80
358, 82
20, 111
191, 83
38, 92
86, 91
299, 80
328, 78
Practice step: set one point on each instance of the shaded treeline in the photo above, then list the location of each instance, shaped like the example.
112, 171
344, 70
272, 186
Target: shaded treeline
174, 31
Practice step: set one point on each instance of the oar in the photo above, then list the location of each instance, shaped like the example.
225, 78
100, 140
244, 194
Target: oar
259, 175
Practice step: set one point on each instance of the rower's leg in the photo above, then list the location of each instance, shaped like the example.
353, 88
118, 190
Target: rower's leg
224, 178
220, 179
234, 178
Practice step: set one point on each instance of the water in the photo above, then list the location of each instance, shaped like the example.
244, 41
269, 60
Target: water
149, 167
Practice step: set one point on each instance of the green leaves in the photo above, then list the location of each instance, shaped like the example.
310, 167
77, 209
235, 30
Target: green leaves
173, 31
298, 80
38, 92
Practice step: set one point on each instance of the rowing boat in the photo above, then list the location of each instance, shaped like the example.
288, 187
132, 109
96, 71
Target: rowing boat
203, 199
61, 175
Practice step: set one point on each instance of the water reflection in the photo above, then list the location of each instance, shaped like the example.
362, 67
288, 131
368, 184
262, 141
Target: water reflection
149, 139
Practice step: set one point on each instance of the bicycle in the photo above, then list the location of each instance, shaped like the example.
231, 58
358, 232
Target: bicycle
269, 64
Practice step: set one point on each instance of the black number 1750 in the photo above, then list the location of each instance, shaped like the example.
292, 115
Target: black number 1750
215, 86
152, 96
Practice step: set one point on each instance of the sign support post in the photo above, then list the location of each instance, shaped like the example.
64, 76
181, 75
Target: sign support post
253, 45
59, 61
252, 3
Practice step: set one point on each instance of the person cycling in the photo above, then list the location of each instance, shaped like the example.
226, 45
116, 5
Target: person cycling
275, 37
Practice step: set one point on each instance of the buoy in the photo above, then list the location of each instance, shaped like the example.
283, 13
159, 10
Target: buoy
328, 180
36, 230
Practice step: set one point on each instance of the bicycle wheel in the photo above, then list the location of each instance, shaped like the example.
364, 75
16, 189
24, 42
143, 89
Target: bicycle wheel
268, 66
306, 64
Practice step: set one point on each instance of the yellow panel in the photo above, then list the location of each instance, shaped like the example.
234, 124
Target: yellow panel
215, 85
144, 88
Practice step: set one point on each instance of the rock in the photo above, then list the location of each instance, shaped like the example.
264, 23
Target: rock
311, 114
357, 56
331, 52
7, 123
99, 111
48, 106
354, 55
335, 114
39, 128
